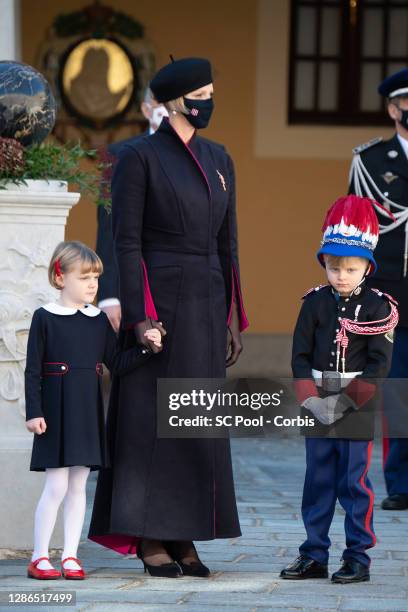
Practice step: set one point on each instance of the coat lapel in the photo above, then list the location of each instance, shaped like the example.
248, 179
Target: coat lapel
190, 150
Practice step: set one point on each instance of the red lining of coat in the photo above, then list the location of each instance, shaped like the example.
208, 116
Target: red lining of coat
150, 309
99, 366
121, 543
243, 320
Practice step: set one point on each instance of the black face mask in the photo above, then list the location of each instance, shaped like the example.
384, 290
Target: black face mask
404, 118
200, 112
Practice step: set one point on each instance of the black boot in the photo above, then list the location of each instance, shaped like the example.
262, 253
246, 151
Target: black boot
351, 571
395, 502
187, 558
304, 567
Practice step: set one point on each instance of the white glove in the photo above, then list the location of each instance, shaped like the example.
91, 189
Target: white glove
336, 406
327, 410
318, 406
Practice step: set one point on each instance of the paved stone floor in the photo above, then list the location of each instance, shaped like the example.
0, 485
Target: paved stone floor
269, 477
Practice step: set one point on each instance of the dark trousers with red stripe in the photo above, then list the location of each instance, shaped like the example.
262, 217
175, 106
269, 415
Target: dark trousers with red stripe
337, 469
395, 408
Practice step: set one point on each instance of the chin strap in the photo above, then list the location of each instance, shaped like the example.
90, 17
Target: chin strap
364, 328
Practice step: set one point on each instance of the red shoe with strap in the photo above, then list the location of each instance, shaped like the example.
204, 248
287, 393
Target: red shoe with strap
42, 574
72, 574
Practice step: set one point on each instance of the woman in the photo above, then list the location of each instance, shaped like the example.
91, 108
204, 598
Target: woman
174, 226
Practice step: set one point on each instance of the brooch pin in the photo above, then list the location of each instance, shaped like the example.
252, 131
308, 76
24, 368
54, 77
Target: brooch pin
392, 154
389, 177
222, 179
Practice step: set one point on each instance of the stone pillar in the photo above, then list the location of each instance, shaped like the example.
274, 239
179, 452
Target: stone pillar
32, 223
10, 30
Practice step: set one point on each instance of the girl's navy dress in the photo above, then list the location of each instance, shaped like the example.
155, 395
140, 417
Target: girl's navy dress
65, 352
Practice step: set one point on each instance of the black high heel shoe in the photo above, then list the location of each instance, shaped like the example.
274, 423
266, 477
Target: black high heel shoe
194, 568
165, 570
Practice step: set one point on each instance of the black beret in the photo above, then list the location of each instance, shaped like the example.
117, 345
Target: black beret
180, 77
395, 85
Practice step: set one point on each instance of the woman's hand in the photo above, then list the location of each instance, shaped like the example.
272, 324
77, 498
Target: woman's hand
234, 344
37, 425
142, 327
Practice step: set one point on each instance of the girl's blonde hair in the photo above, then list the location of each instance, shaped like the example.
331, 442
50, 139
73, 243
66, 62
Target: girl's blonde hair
67, 254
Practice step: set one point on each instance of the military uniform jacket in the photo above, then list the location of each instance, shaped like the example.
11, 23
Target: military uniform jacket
63, 374
387, 166
314, 347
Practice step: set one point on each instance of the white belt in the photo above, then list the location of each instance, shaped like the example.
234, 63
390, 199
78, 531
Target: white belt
317, 375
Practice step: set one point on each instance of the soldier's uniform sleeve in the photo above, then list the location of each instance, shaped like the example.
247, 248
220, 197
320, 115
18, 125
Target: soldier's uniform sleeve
109, 280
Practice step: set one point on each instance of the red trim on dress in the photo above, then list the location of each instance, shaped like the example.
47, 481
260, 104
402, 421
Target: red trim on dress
370, 494
56, 373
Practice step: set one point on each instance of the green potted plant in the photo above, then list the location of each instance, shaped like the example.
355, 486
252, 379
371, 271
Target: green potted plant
50, 167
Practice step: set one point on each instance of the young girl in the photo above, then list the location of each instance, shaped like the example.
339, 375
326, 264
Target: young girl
69, 340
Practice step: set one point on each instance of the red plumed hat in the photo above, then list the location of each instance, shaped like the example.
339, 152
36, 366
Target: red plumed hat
350, 229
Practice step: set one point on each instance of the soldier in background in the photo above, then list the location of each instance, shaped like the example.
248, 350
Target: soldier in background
108, 292
379, 171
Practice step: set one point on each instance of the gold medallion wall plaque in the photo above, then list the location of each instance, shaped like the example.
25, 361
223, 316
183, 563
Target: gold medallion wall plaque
99, 64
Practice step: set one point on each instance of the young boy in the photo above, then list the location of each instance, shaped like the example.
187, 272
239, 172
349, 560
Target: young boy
341, 345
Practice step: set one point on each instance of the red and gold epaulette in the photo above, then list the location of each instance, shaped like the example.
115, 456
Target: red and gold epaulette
387, 295
313, 289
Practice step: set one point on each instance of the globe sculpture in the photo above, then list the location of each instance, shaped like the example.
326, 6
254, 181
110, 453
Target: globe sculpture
27, 105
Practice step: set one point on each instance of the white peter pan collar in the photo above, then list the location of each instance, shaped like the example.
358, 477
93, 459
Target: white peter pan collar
89, 310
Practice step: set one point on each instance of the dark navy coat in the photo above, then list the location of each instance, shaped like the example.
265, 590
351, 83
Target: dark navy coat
65, 351
387, 165
174, 224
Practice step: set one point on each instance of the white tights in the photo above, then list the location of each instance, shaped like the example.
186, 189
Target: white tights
68, 484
